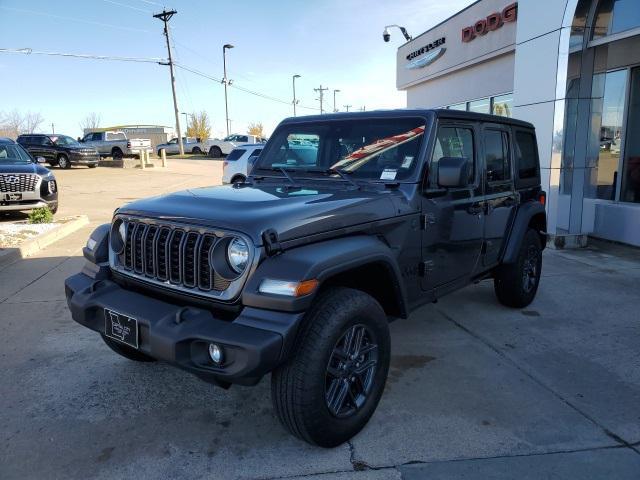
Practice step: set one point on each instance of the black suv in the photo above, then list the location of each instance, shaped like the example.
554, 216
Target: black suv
24, 184
59, 150
346, 222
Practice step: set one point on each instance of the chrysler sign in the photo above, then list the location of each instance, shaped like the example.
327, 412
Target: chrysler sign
426, 55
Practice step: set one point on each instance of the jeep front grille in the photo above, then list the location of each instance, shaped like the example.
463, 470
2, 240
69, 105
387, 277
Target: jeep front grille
172, 255
18, 182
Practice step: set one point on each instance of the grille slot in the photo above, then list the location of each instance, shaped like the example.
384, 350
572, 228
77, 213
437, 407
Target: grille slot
170, 254
18, 182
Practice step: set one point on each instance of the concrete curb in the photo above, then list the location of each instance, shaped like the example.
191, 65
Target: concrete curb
34, 245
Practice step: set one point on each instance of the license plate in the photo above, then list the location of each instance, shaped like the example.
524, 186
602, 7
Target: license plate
121, 327
13, 197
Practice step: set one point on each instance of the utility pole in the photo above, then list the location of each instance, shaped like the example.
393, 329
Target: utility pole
347, 107
53, 128
294, 94
165, 17
334, 100
363, 109
226, 81
321, 98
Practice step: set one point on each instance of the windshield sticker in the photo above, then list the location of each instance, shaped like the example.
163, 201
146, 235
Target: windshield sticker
406, 163
388, 174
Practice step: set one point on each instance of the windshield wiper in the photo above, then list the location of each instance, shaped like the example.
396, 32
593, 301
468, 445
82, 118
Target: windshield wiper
344, 175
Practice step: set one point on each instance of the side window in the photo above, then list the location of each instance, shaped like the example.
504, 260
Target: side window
452, 142
243, 138
255, 153
46, 141
496, 145
526, 155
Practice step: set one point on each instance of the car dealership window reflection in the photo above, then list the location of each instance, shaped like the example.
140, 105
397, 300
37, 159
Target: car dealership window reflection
616, 16
501, 105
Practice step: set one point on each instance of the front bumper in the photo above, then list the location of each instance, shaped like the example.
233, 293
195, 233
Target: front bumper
84, 159
26, 205
254, 343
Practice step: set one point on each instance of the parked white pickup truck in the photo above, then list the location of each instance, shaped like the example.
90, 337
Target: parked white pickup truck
116, 144
219, 148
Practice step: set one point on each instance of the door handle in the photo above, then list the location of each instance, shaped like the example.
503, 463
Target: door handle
475, 209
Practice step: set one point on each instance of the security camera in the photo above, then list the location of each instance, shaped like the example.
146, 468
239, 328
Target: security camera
386, 36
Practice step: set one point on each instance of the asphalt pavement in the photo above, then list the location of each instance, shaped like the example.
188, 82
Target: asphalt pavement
475, 390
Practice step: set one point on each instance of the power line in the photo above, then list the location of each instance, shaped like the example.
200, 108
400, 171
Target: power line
127, 6
321, 98
29, 51
72, 19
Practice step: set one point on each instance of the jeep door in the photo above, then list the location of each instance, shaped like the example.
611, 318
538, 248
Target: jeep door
452, 216
500, 198
45, 148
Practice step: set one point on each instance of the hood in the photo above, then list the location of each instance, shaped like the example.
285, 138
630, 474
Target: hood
292, 213
23, 168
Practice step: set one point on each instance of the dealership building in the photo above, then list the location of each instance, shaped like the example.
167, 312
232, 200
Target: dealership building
570, 67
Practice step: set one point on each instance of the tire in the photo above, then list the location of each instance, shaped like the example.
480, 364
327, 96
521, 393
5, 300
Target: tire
196, 151
238, 179
94, 165
126, 351
516, 284
54, 210
116, 154
215, 152
160, 152
63, 162
302, 387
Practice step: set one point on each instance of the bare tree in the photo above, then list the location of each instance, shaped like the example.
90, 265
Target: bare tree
91, 121
11, 123
32, 121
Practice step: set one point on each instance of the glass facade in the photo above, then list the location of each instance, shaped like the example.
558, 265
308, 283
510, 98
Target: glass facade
631, 166
606, 133
501, 105
616, 16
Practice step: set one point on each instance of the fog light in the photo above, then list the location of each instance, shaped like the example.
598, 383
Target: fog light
215, 352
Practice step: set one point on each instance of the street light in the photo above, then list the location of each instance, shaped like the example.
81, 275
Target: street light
294, 93
226, 82
334, 100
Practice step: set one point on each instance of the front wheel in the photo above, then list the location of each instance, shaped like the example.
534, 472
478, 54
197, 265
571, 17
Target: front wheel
516, 284
63, 162
330, 386
196, 151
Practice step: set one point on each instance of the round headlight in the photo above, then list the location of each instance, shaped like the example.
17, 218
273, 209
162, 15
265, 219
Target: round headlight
118, 236
238, 254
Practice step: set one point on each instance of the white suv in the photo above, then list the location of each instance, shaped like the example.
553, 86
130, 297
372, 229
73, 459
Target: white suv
239, 162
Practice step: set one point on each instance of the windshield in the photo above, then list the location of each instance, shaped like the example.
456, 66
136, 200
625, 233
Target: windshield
371, 149
64, 141
11, 153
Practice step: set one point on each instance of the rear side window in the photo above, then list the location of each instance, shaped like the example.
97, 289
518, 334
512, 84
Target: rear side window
235, 154
255, 153
496, 145
24, 140
526, 150
115, 136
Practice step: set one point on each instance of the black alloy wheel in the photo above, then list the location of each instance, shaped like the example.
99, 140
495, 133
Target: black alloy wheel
351, 371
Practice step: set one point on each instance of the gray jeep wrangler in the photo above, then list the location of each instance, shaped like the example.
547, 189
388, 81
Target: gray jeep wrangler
345, 223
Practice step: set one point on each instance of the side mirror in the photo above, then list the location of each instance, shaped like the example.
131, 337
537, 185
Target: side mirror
453, 172
41, 160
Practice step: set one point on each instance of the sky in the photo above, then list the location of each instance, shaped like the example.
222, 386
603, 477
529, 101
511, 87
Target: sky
334, 43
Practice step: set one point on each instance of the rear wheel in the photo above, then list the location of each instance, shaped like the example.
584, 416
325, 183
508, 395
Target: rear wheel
215, 152
116, 154
63, 161
93, 165
126, 351
330, 386
238, 179
516, 284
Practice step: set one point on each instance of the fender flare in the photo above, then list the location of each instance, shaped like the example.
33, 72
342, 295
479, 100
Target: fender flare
321, 261
523, 217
